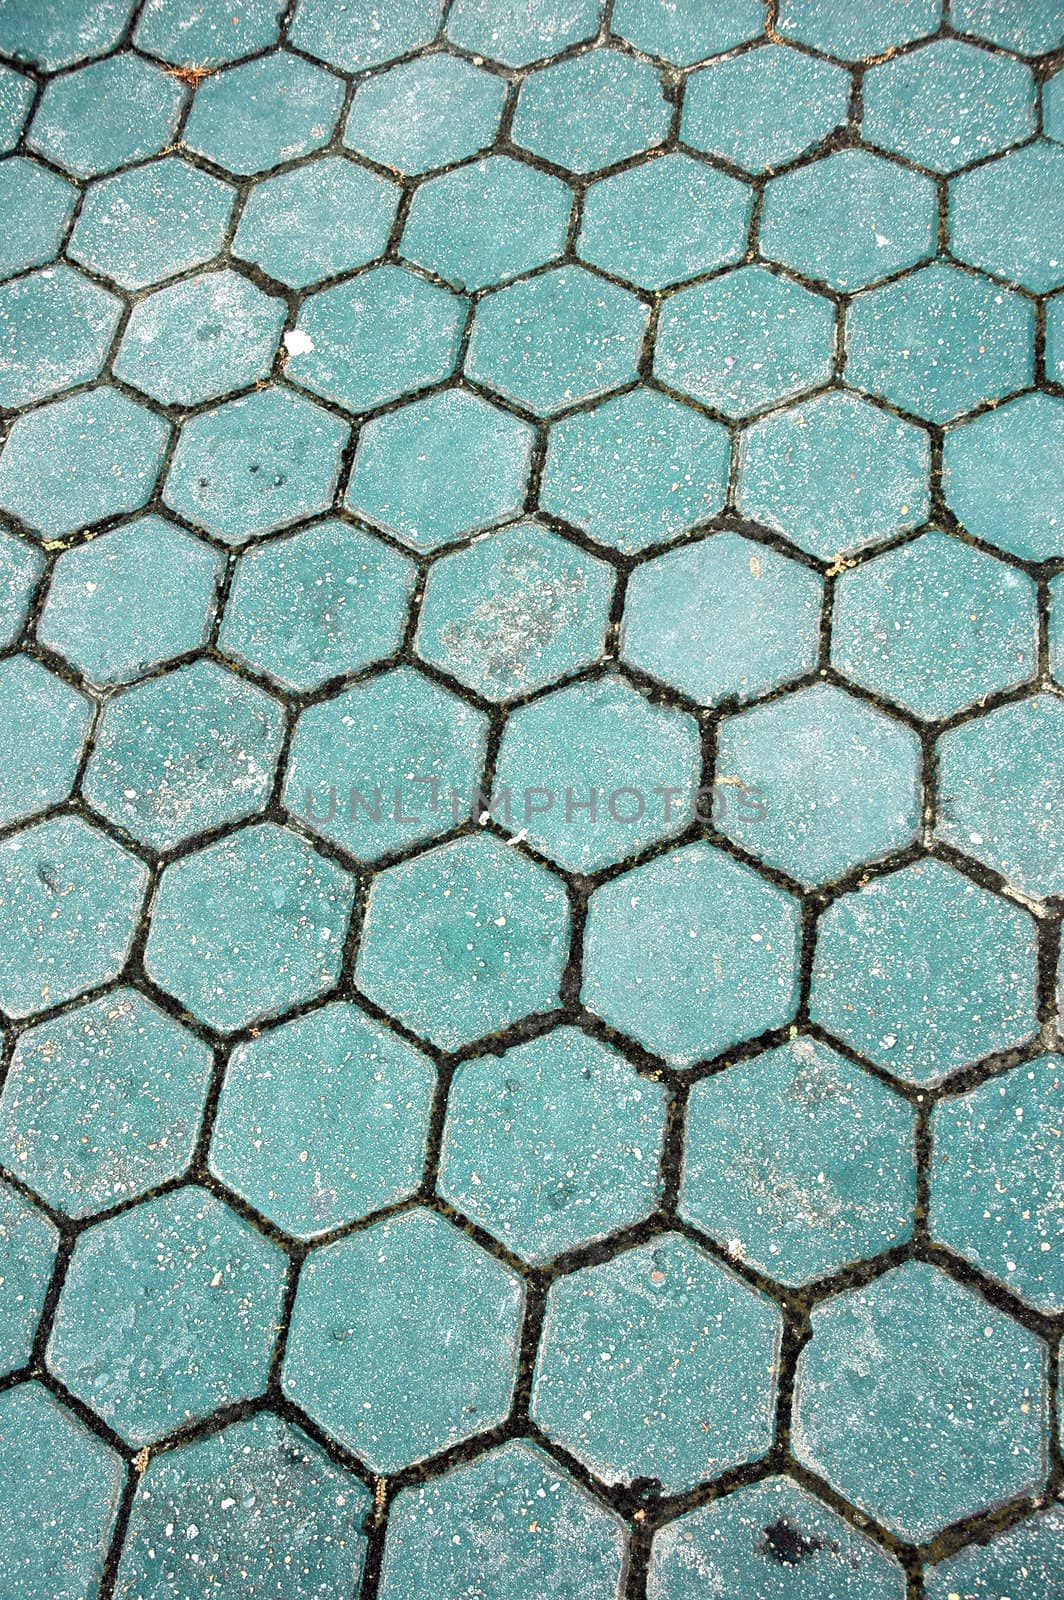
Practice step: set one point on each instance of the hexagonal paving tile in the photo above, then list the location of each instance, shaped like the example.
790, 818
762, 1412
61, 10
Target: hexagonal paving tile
490, 220
106, 114
300, 1518
28, 1244
119, 447
635, 471
44, 723
849, 33
253, 465
190, 33
947, 104
596, 772
835, 474
56, 328
21, 565
923, 972
515, 611
440, 468
200, 338
183, 1293
998, 797
425, 113
1055, 339
952, 1380
657, 1364
35, 207
940, 342
464, 940
1003, 475
1030, 1551
764, 107
710, 956
382, 335
935, 625
1006, 217
1056, 629
551, 341
472, 1527
798, 1162
16, 97
326, 600
386, 764
519, 34
722, 619
404, 1340
352, 37
254, 116
52, 35
1053, 108
130, 600
778, 1537
1023, 25
745, 340
686, 33
69, 903
184, 754
248, 927
839, 782
669, 219
552, 1144
591, 111
103, 1103
321, 219
152, 222
346, 1137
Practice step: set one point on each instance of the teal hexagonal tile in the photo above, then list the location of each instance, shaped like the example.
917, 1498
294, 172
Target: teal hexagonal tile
946, 1418
691, 953
248, 927
386, 764
35, 207
356, 35
62, 1487
669, 219
685, 32
798, 1162
1007, 216
50, 34
200, 338
44, 723
103, 1103
345, 1137
657, 1364
265, 1502
425, 113
207, 33
104, 115
312, 605
852, 33
1054, 354
723, 619
835, 474
552, 1144
1003, 475
69, 903
1053, 108
764, 107
924, 972
178, 1295
130, 600
437, 469
316, 221
998, 797
556, 339
254, 465
517, 32
510, 1523
773, 1540
940, 342
849, 219
1023, 25
744, 341
382, 335
464, 940
635, 471
838, 782
21, 565
1056, 629
935, 625
119, 448
16, 97
515, 611
152, 222
591, 111
250, 118
56, 329
404, 1340
28, 1244
482, 223
947, 104
596, 772
997, 1167
183, 754
1028, 1554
